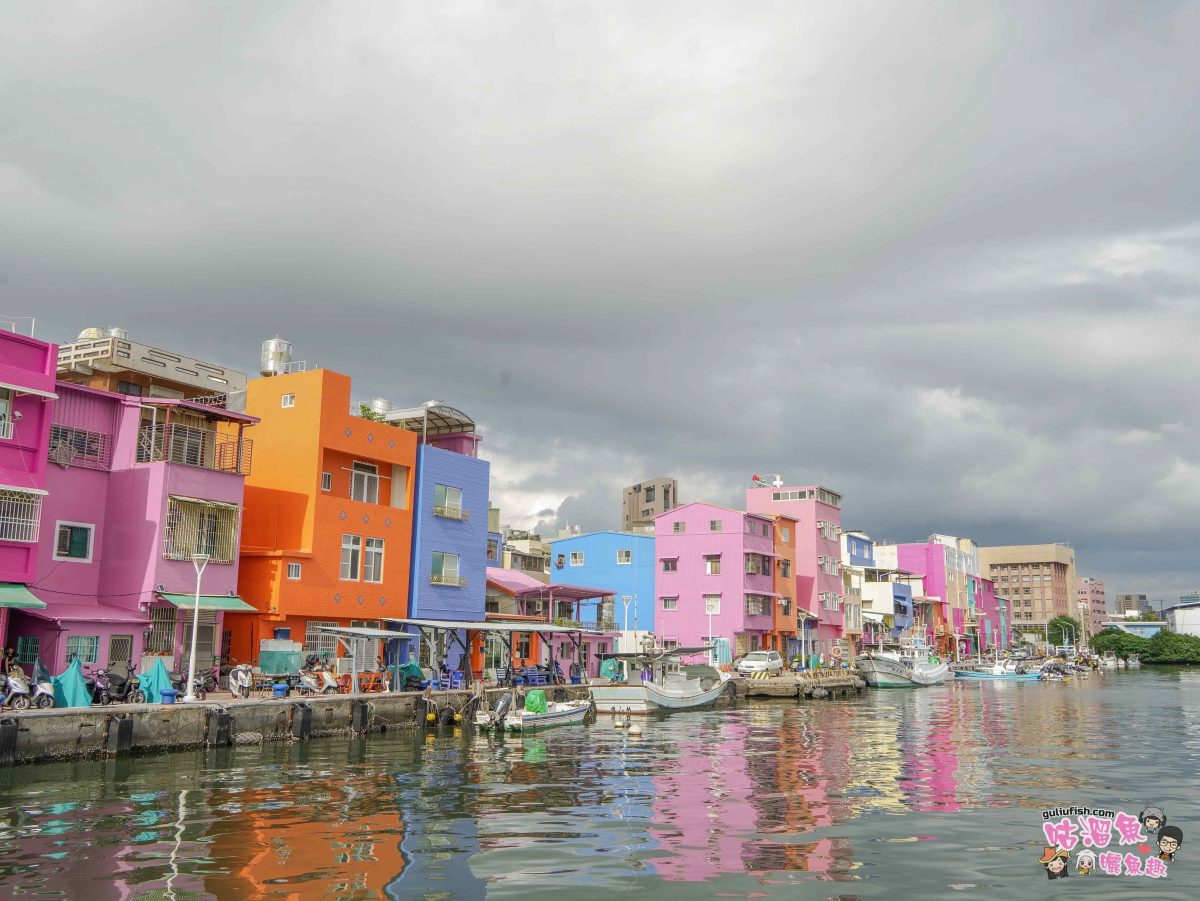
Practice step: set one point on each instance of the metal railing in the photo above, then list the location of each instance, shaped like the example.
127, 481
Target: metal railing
20, 516
79, 447
6, 429
452, 513
453, 581
190, 446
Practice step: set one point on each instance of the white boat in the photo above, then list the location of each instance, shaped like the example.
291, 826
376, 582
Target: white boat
1108, 661
905, 668
646, 683
1134, 661
556, 713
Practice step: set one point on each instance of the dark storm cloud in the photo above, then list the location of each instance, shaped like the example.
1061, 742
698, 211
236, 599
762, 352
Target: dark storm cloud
940, 257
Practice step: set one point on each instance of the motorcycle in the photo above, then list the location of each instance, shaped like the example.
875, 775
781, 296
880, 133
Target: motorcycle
122, 685
43, 688
16, 690
240, 680
205, 682
315, 679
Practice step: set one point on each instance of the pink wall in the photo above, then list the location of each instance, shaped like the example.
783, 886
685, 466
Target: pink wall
688, 624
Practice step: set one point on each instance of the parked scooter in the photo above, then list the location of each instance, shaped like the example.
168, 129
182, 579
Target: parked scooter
16, 690
123, 685
42, 687
206, 681
315, 679
241, 679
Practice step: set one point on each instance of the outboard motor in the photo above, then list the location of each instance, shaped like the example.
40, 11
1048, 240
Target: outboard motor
502, 708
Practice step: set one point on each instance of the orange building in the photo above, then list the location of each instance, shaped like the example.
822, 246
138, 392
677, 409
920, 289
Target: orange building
783, 635
327, 528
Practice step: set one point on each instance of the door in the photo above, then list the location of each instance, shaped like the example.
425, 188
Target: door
120, 649
206, 639
495, 654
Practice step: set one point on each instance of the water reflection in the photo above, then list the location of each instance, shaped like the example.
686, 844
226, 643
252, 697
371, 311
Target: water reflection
772, 799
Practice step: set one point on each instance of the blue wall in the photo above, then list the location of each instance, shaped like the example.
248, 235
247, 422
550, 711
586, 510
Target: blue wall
601, 570
466, 538
860, 550
902, 598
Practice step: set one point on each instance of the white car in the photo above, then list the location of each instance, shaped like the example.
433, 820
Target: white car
759, 662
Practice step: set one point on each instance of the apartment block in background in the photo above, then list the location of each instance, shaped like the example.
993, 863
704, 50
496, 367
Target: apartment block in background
1091, 604
644, 501
1132, 605
1038, 579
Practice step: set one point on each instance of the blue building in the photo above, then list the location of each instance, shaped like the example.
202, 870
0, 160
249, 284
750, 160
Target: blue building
620, 562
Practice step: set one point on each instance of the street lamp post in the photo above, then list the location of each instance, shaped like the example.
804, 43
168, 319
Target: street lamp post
625, 599
199, 561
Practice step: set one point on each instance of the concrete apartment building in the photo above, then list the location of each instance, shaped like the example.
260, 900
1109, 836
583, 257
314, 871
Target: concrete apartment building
646, 500
1091, 604
1132, 605
1038, 579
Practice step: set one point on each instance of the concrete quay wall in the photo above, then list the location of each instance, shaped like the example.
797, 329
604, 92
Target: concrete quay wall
60, 734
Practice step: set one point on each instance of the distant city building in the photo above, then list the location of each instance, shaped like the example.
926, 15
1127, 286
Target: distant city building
646, 500
107, 359
1090, 603
1038, 579
1132, 605
1184, 617
526, 552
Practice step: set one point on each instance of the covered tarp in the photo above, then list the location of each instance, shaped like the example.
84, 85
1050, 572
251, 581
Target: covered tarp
155, 681
721, 651
610, 670
70, 689
535, 701
411, 670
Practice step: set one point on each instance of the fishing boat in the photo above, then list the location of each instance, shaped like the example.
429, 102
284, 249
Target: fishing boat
642, 684
1109, 661
903, 668
1133, 661
1001, 670
538, 713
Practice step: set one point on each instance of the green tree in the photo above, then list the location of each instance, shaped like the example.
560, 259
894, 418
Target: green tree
1150, 616
1121, 644
1063, 626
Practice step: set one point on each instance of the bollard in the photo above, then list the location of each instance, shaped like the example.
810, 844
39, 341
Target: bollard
302, 716
360, 716
8, 741
220, 728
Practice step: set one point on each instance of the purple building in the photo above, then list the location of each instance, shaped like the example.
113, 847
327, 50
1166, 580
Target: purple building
27, 369
714, 564
137, 486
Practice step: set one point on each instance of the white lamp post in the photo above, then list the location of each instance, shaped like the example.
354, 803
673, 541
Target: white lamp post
199, 561
625, 599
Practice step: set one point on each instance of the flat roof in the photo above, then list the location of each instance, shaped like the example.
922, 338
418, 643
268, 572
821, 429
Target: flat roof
492, 626
437, 420
364, 632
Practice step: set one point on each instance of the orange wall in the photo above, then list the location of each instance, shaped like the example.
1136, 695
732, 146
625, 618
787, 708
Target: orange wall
786, 587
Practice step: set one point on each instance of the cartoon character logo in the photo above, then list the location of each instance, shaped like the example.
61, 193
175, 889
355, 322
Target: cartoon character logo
1170, 838
1055, 861
1152, 818
1085, 862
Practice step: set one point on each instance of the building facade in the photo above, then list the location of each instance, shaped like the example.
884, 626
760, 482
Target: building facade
623, 564
1038, 579
1091, 604
642, 502
27, 392
714, 577
1132, 605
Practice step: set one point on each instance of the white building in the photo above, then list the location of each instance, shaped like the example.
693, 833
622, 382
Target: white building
1184, 618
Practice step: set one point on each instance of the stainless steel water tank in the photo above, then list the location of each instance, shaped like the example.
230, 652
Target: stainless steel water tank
276, 355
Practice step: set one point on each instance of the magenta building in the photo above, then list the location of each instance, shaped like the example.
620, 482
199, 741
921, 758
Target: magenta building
713, 564
27, 368
136, 487
818, 515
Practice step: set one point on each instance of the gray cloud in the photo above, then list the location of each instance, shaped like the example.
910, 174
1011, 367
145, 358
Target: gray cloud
939, 257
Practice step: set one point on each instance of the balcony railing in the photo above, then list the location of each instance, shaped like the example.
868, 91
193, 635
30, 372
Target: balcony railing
452, 513
452, 581
20, 516
191, 446
597, 625
6, 427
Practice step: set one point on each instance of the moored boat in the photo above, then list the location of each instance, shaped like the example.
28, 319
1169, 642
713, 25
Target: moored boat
901, 669
1001, 670
538, 713
660, 682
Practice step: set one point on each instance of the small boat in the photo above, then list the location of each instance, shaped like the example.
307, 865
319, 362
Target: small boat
538, 713
1133, 661
1108, 661
1001, 670
642, 684
903, 668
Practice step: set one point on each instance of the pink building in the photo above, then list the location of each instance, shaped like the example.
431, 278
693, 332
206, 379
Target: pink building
714, 564
137, 486
1091, 604
818, 515
26, 394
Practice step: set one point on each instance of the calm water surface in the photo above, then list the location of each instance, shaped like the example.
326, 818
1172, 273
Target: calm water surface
931, 793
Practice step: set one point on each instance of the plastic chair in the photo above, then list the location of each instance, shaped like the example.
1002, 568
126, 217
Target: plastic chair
345, 683
444, 683
457, 680
501, 677
533, 677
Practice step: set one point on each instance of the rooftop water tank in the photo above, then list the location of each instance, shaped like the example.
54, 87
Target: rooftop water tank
276, 355
91, 334
118, 333
380, 405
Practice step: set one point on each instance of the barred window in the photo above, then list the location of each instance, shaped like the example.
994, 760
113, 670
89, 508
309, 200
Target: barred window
200, 527
318, 642
28, 647
20, 515
162, 631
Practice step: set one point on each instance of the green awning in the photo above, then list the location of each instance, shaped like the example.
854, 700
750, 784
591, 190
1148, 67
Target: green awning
14, 594
208, 602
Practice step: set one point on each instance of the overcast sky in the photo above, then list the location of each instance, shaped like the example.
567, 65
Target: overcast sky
941, 258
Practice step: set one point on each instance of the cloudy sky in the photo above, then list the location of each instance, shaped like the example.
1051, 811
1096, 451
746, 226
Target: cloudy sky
939, 257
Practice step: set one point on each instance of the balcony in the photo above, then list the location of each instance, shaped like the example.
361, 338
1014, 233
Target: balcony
598, 625
190, 446
450, 580
452, 513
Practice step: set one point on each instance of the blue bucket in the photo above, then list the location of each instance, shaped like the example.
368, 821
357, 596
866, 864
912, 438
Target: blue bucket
281, 689
575, 680
168, 695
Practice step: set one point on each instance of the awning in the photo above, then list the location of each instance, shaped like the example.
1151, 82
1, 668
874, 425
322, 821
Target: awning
364, 632
208, 602
17, 596
205, 502
89, 613
36, 392
494, 626
873, 617
23, 489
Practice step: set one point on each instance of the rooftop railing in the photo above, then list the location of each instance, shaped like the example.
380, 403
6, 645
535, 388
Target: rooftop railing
190, 446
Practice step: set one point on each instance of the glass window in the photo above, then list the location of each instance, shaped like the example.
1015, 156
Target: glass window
200, 527
364, 483
373, 560
712, 565
577, 558
445, 569
85, 648
293, 571
447, 497
73, 542
669, 644
787, 534
649, 494
288, 400
670, 603
712, 604
6, 399
351, 551
680, 526
670, 565
28, 647
624, 556
714, 525
327, 481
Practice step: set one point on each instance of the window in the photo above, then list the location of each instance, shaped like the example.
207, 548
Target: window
73, 542
76, 447
785, 606
131, 388
785, 568
624, 556
829, 531
791, 495
327, 481
829, 565
318, 642
787, 534
670, 603
85, 648
577, 558
445, 570
288, 400
829, 497
714, 525
351, 551
757, 605
294, 571
447, 502
6, 420
493, 549
670, 644
20, 515
649, 494
28, 647
162, 631
758, 565
525, 646
373, 561
680, 526
712, 564
712, 604
364, 483
670, 564
200, 527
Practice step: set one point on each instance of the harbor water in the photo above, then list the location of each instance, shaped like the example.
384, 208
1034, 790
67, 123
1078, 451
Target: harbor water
923, 793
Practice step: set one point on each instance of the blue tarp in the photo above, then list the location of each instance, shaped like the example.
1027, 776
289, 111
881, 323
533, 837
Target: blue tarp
154, 682
70, 690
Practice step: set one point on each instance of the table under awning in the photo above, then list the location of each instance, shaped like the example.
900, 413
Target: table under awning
213, 602
364, 633
17, 596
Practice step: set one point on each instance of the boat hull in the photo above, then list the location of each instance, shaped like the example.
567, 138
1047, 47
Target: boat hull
565, 714
648, 698
883, 672
996, 677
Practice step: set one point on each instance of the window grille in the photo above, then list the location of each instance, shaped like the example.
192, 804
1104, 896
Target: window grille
200, 527
120, 649
85, 648
78, 447
317, 642
162, 631
364, 483
28, 647
20, 516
